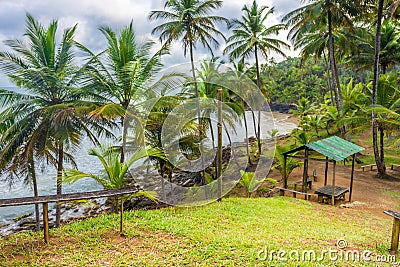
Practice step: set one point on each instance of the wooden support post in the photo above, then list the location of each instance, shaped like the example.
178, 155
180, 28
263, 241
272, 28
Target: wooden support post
281, 192
121, 222
219, 150
46, 222
305, 171
333, 183
395, 236
352, 177
284, 171
394, 248
326, 171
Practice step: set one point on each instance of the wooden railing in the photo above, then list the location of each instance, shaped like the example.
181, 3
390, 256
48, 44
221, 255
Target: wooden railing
44, 200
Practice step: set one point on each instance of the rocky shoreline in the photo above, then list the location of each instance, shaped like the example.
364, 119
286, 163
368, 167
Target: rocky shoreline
70, 211
78, 210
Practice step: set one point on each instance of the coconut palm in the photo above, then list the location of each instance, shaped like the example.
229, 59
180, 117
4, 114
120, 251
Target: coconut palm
380, 165
190, 22
49, 116
388, 98
389, 54
386, 110
249, 182
251, 36
120, 73
114, 174
238, 78
291, 163
22, 165
212, 77
323, 17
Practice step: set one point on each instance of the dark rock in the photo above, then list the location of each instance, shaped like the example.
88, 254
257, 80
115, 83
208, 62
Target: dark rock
280, 107
186, 178
23, 216
27, 222
4, 224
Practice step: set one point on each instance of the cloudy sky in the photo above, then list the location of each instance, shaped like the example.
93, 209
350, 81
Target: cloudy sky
90, 14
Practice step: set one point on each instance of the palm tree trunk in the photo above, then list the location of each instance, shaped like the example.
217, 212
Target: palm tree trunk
196, 90
254, 123
328, 72
121, 222
124, 133
247, 134
335, 74
259, 101
213, 142
60, 159
335, 78
379, 163
198, 112
32, 173
381, 139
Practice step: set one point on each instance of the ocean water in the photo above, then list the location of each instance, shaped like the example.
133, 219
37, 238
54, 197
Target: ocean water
46, 174
46, 177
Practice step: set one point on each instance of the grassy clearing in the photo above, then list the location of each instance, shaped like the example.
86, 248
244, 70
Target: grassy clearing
229, 233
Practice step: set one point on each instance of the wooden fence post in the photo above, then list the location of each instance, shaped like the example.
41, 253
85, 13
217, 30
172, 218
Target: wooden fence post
46, 222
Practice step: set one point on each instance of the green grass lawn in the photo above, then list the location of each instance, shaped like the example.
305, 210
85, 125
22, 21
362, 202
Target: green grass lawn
234, 232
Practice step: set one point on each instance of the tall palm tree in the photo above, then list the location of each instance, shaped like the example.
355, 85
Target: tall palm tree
388, 96
22, 165
118, 73
323, 17
251, 35
380, 164
50, 116
238, 77
190, 22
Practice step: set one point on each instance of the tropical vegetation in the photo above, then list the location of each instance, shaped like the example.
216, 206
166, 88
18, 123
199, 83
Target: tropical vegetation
345, 81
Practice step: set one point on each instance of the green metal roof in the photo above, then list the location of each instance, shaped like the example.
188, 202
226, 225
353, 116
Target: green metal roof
332, 147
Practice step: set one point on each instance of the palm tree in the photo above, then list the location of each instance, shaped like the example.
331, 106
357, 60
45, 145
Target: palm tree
118, 73
190, 22
250, 35
249, 182
22, 165
324, 18
49, 117
114, 173
291, 163
387, 102
380, 165
238, 78
389, 54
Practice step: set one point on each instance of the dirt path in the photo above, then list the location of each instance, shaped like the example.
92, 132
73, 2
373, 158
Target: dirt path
371, 193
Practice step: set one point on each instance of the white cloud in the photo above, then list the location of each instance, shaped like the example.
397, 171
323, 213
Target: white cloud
90, 14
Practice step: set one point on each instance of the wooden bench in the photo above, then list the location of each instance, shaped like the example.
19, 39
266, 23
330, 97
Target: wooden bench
395, 165
395, 231
282, 190
309, 183
368, 166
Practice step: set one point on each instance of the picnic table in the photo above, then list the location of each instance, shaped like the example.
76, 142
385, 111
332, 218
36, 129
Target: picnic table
325, 192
